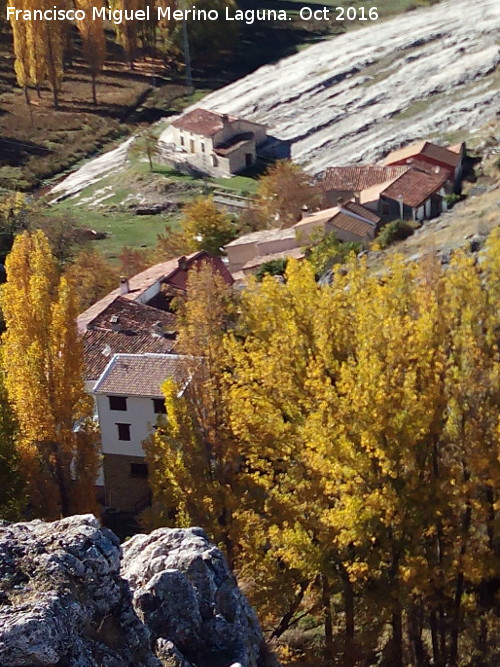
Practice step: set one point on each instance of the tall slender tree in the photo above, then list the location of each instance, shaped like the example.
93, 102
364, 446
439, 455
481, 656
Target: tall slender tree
93, 41
43, 361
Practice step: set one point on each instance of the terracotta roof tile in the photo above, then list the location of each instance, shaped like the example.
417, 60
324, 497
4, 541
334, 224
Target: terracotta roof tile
141, 374
415, 187
132, 316
358, 177
202, 121
170, 271
362, 211
234, 143
424, 149
347, 223
100, 346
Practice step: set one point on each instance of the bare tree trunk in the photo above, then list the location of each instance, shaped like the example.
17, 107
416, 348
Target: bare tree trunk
415, 625
348, 594
328, 621
286, 619
459, 586
28, 102
94, 93
436, 653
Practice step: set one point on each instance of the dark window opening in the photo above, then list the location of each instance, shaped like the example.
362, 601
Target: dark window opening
159, 406
191, 145
123, 431
202, 148
118, 403
138, 470
249, 159
182, 140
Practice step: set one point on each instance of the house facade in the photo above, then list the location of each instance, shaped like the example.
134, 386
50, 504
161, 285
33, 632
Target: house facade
130, 404
215, 143
427, 154
414, 196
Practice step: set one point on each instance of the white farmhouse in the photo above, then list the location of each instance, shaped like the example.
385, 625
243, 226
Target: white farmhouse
129, 404
215, 143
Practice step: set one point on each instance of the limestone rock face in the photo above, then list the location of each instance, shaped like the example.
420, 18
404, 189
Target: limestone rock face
64, 600
185, 594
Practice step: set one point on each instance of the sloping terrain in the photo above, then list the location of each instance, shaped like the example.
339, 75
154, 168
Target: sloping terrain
432, 72
425, 73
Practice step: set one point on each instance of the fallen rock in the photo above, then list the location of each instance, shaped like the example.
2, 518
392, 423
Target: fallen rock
174, 603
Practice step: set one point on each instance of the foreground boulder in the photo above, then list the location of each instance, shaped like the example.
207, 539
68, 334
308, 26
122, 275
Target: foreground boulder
64, 601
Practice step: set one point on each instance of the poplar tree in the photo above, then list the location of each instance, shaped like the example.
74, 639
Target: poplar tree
93, 41
43, 361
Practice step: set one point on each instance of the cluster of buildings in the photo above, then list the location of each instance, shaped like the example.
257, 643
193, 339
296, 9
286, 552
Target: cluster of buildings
129, 351
129, 336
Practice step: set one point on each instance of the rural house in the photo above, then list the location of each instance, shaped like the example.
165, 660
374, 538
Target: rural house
136, 320
349, 221
416, 195
215, 143
129, 403
425, 154
344, 183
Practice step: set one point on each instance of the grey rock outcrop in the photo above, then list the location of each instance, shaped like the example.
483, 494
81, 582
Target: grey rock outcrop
64, 600
186, 595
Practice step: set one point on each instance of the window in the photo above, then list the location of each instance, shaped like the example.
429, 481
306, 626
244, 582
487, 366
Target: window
386, 209
191, 145
202, 148
138, 470
159, 406
118, 403
215, 161
123, 432
182, 140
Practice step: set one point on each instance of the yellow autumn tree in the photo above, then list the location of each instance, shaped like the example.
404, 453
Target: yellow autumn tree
193, 464
43, 361
22, 53
205, 227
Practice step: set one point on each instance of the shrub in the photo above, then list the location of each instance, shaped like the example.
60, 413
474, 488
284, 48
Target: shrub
275, 267
451, 200
394, 231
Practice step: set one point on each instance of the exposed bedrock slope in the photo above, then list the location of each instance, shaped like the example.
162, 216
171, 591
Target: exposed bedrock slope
359, 95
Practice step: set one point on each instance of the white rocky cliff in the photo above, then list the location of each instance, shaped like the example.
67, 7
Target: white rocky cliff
68, 596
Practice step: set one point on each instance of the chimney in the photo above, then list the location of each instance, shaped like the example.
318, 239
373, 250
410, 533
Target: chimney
304, 212
124, 285
182, 263
225, 119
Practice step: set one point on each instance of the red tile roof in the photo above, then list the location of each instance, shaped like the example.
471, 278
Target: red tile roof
362, 211
174, 272
202, 121
424, 149
234, 143
99, 347
346, 223
358, 177
142, 374
131, 316
415, 187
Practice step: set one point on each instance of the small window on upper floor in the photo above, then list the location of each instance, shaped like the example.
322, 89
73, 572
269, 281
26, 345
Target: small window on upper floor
202, 148
138, 470
118, 403
123, 432
182, 140
159, 406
